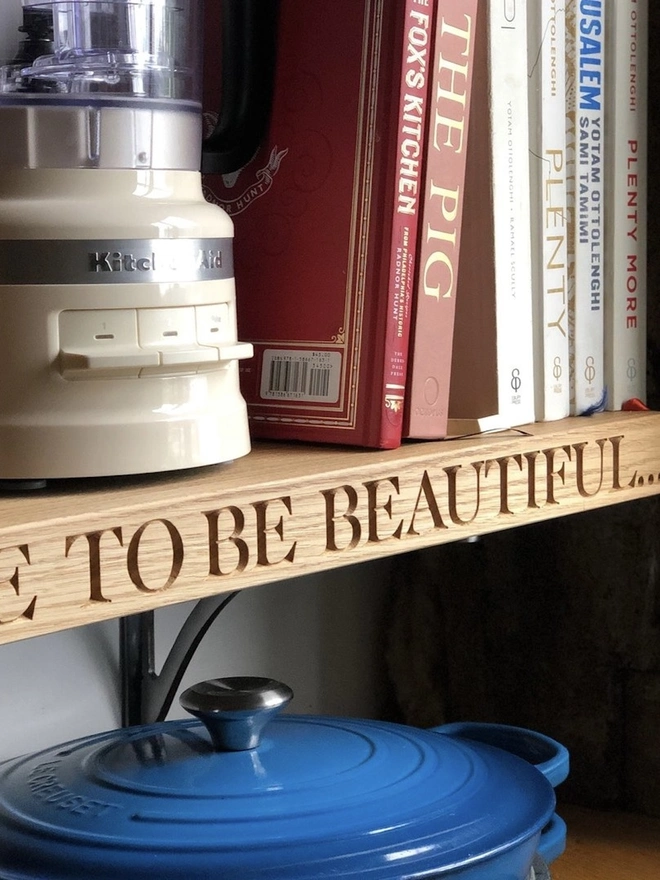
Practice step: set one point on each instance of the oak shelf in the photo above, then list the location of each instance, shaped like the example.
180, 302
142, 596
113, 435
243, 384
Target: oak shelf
608, 846
84, 551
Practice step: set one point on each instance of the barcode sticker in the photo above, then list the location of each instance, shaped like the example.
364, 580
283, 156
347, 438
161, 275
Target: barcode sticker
301, 375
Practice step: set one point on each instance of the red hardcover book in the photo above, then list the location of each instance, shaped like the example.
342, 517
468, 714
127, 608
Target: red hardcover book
325, 219
438, 248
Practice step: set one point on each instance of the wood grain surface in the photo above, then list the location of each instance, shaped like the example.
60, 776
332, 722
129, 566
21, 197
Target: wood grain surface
609, 846
83, 551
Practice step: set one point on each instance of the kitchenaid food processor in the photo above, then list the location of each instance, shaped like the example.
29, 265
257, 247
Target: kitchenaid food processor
118, 346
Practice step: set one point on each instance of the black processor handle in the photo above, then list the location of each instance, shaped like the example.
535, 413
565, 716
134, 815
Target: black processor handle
249, 50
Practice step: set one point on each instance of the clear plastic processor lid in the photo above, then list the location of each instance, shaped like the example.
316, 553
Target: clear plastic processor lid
107, 51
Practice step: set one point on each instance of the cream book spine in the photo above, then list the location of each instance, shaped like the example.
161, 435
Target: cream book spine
547, 150
625, 205
509, 117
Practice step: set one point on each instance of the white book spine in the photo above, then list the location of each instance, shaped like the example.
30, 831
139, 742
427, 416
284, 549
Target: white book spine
585, 33
547, 108
509, 117
626, 191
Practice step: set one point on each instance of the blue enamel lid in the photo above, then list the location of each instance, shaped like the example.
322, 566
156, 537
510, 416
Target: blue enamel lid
314, 797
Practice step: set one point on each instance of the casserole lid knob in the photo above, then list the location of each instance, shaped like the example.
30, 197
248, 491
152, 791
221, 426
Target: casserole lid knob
235, 710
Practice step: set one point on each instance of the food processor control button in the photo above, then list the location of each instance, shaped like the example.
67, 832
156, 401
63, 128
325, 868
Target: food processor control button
87, 364
238, 351
214, 326
167, 328
101, 342
198, 355
228, 354
98, 329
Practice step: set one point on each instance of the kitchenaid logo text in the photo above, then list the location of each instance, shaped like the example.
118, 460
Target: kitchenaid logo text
207, 550
116, 261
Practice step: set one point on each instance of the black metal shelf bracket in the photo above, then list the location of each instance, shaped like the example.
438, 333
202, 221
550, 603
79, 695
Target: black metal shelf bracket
146, 695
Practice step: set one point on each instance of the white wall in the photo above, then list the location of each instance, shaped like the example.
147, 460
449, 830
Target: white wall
320, 634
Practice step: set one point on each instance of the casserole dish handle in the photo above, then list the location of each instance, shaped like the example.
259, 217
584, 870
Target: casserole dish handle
550, 757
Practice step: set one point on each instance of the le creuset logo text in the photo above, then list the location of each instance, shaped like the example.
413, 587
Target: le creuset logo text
118, 261
45, 786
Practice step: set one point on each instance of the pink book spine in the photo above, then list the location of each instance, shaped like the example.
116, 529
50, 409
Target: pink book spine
434, 298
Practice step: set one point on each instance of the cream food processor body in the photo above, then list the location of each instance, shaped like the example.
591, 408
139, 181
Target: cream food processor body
118, 339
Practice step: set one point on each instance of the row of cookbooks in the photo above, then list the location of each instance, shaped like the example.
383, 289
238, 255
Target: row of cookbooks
444, 231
